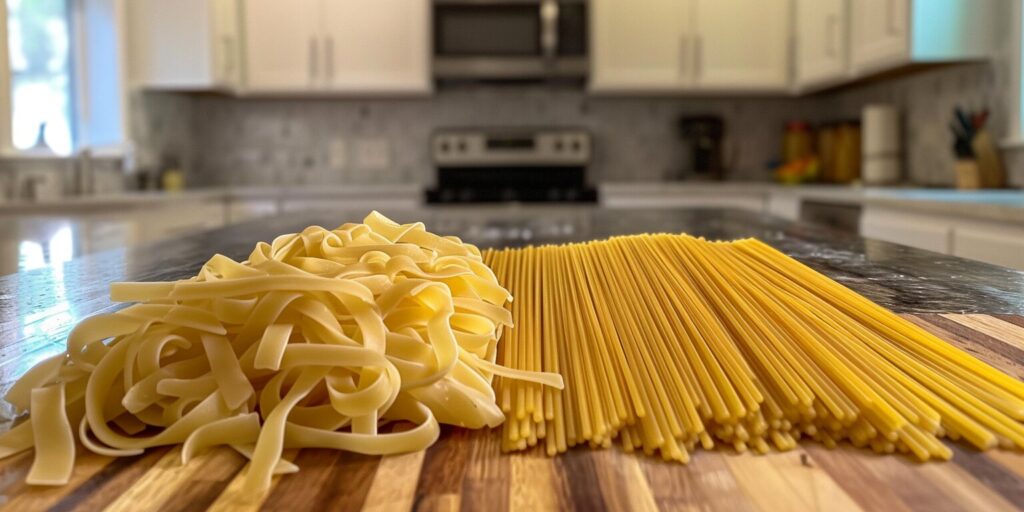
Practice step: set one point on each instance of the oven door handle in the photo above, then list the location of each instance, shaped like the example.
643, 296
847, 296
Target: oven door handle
549, 28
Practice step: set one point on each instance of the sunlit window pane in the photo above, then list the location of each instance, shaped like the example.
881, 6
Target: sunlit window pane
39, 35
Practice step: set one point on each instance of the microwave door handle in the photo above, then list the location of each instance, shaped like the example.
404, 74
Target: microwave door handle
549, 28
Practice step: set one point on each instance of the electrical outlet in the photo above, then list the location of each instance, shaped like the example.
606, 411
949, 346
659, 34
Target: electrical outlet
372, 154
337, 153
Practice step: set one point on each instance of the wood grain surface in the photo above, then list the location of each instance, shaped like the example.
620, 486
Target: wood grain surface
465, 470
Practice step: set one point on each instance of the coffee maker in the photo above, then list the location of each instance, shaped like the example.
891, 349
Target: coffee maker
702, 136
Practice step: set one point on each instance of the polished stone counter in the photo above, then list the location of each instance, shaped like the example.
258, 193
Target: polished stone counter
38, 306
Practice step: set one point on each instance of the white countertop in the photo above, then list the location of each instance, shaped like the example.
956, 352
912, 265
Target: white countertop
1002, 205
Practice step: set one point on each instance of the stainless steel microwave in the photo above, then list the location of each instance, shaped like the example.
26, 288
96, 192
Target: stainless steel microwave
510, 39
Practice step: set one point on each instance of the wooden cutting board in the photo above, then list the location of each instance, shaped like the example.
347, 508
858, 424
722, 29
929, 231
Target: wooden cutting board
465, 470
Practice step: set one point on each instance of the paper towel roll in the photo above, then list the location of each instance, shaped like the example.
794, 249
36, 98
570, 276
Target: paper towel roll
880, 170
880, 125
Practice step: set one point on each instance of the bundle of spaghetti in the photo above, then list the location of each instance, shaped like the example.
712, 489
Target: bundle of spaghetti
669, 342
320, 339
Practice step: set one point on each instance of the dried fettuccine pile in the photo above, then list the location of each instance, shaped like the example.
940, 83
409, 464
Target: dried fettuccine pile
319, 339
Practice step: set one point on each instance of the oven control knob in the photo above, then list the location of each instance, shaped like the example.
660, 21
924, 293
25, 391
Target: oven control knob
576, 146
461, 146
445, 147
559, 145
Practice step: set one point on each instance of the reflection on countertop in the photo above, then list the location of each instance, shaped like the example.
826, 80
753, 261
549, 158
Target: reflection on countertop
103, 222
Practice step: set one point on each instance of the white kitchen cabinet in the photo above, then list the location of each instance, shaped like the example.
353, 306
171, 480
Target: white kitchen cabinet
785, 205
922, 231
885, 34
337, 46
742, 45
376, 45
992, 243
821, 43
641, 45
241, 210
879, 33
689, 45
283, 50
184, 44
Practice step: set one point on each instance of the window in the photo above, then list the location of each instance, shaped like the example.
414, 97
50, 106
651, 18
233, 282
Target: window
63, 86
39, 35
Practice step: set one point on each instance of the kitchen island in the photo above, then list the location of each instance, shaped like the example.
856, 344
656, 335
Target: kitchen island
973, 305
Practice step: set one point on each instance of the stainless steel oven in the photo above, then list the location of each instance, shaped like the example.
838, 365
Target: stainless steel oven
510, 39
520, 164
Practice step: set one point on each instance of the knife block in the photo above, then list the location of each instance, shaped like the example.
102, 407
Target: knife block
968, 176
990, 167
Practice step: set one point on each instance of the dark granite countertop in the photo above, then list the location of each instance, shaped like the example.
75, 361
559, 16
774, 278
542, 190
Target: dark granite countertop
38, 307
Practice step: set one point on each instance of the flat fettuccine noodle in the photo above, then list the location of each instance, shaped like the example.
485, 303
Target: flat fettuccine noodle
319, 339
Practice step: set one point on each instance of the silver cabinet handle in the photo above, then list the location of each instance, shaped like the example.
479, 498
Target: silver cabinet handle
698, 59
549, 28
831, 26
314, 50
890, 9
684, 56
329, 57
229, 55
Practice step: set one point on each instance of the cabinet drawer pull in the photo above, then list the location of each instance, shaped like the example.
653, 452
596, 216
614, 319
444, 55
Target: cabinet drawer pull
314, 51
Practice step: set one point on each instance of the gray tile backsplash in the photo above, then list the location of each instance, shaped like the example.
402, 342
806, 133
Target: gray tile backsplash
223, 140
926, 101
261, 141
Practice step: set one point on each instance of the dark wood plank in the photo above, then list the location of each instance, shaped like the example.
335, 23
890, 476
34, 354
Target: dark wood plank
868, 489
444, 469
107, 485
577, 469
966, 341
207, 483
704, 484
327, 480
486, 485
1013, 319
964, 334
990, 473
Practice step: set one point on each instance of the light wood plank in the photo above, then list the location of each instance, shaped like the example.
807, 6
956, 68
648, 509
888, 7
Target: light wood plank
158, 484
1004, 331
764, 484
622, 481
234, 499
34, 497
534, 484
394, 485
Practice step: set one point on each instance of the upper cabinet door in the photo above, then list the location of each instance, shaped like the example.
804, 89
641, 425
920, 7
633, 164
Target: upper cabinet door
743, 45
640, 45
170, 44
821, 42
226, 43
282, 45
879, 34
377, 46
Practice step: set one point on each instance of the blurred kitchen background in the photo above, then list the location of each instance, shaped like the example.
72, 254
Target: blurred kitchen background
132, 121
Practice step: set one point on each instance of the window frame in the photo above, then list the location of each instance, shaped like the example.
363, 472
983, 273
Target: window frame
81, 94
